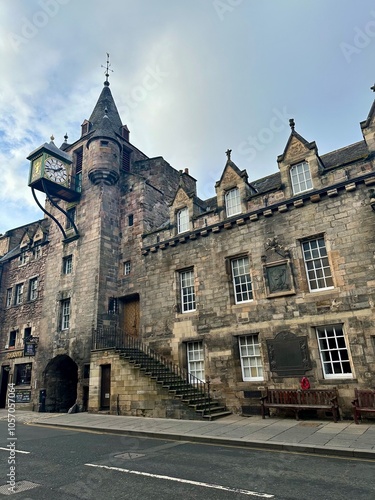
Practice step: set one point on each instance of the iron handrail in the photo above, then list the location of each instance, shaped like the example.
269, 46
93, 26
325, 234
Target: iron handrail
112, 337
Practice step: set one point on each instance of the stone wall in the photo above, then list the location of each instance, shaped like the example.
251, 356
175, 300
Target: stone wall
133, 393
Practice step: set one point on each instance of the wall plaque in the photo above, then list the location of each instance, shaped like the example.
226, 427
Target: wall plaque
288, 355
278, 278
23, 396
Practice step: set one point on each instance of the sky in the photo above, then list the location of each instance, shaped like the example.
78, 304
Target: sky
191, 79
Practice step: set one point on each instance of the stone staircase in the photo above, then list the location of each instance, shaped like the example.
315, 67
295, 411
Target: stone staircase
182, 386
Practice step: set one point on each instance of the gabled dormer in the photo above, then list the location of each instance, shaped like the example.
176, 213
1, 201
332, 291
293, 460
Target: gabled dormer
300, 166
232, 190
26, 241
181, 211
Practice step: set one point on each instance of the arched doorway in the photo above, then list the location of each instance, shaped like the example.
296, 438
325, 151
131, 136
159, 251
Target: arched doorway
60, 382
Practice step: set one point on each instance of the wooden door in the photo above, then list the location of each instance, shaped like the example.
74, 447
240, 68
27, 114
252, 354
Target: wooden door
130, 316
105, 387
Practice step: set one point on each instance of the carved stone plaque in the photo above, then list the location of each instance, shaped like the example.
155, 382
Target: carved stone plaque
278, 279
288, 355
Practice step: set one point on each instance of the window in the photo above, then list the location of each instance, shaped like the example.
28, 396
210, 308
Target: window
301, 177
125, 163
19, 293
12, 339
71, 217
65, 314
130, 219
9, 297
317, 266
251, 361
187, 291
183, 220
23, 259
23, 374
33, 288
37, 252
233, 202
68, 264
241, 280
78, 160
195, 360
127, 267
333, 352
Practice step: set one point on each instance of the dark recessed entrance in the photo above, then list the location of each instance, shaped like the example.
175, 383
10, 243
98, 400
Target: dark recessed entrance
60, 382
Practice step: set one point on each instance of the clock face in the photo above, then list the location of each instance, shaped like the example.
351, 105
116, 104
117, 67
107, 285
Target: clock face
55, 170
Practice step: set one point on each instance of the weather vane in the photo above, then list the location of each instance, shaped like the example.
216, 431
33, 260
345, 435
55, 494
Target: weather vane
107, 70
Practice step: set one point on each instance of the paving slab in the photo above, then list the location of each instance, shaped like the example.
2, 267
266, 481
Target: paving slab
324, 437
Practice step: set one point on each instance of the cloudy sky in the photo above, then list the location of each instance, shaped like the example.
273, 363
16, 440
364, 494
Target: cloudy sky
191, 78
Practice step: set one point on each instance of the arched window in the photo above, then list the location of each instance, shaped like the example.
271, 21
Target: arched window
183, 220
233, 202
301, 177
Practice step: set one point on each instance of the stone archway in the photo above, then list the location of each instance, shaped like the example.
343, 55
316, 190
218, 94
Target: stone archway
60, 382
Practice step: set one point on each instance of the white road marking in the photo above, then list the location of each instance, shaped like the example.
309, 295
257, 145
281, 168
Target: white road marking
187, 481
17, 451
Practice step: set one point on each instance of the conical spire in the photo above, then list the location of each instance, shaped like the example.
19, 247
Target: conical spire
106, 106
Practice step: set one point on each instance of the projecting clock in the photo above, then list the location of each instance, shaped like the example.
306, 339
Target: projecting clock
55, 170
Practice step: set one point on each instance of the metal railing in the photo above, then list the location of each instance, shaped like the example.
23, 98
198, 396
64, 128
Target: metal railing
153, 363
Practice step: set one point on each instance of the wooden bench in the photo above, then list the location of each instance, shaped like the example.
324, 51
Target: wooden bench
364, 402
297, 400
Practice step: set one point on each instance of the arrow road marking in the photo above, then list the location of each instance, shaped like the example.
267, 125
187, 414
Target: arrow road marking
187, 481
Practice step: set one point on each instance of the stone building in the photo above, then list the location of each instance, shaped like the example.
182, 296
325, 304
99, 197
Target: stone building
270, 280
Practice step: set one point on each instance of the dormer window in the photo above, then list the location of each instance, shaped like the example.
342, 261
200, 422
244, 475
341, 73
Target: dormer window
233, 202
301, 177
183, 220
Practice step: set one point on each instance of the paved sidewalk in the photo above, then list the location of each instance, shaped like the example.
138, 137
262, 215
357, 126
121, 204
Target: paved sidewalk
312, 436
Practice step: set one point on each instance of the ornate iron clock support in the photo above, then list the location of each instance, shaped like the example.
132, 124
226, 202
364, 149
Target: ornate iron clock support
49, 196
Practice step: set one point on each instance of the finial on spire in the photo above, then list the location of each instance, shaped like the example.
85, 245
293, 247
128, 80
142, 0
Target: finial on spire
292, 124
52, 138
66, 137
373, 88
228, 153
107, 70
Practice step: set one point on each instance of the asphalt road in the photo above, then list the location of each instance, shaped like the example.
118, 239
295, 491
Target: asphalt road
54, 464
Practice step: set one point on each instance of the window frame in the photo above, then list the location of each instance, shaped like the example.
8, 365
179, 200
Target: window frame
195, 357
182, 217
23, 371
33, 288
312, 274
65, 314
72, 213
187, 291
23, 258
338, 350
9, 298
237, 284
12, 341
18, 294
257, 356
127, 268
68, 264
233, 203
296, 180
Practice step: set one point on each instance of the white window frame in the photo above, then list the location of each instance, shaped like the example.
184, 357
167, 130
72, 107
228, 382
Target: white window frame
334, 352
233, 202
242, 283
23, 259
300, 177
318, 270
9, 297
187, 291
18, 294
37, 252
68, 264
33, 288
65, 314
250, 356
127, 267
195, 360
183, 220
